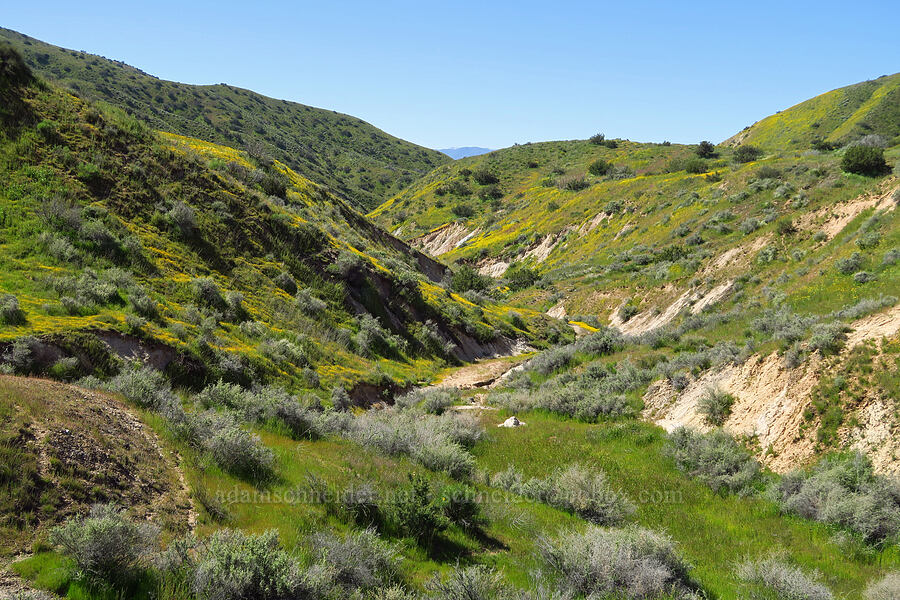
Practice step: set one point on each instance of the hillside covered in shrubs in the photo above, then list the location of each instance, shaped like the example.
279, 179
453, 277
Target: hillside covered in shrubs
121, 242
259, 398
357, 161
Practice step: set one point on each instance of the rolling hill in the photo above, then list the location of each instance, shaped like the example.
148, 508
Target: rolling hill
218, 379
833, 118
149, 240
666, 245
357, 161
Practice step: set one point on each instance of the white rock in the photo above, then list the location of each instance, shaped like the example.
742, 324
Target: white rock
511, 422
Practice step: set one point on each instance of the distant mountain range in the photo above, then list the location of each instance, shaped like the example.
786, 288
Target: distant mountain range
457, 153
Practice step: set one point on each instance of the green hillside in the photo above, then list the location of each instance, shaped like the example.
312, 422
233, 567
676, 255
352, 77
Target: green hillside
220, 380
775, 258
228, 265
356, 160
833, 118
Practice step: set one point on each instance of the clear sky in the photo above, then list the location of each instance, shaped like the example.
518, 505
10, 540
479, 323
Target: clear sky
493, 73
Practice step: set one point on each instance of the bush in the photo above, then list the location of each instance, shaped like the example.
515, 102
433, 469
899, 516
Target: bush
574, 184
695, 165
10, 313
340, 399
477, 582
235, 450
361, 560
372, 338
844, 490
849, 264
485, 177
599, 167
630, 563
493, 192
519, 277
438, 443
463, 211
785, 227
345, 264
285, 281
706, 149
207, 291
143, 304
283, 351
233, 565
575, 489
868, 240
749, 225
828, 338
460, 505
745, 154
715, 459
863, 277
551, 360
418, 513
626, 311
433, 400
309, 304
864, 160
604, 341
715, 406
886, 588
106, 544
148, 388
184, 219
773, 578
465, 278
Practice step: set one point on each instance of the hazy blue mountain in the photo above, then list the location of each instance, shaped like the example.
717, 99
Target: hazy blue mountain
457, 153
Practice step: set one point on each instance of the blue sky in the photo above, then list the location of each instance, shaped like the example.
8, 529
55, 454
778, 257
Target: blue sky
492, 74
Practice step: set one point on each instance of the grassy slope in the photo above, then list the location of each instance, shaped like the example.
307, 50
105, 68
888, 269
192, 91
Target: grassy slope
642, 239
646, 239
355, 159
839, 116
714, 532
117, 173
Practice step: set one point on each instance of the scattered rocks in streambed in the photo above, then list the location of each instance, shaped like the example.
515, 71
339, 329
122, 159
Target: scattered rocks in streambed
512, 422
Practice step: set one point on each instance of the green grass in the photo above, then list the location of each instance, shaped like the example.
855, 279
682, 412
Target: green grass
715, 532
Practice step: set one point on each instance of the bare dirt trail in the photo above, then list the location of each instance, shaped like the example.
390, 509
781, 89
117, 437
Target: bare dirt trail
481, 374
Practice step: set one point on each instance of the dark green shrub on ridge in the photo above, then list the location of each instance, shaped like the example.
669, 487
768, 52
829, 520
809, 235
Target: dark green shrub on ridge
864, 160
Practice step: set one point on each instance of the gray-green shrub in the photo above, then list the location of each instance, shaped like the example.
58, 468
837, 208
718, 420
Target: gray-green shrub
576, 489
886, 588
438, 443
618, 563
477, 582
715, 459
359, 560
849, 264
845, 491
233, 565
715, 406
106, 544
772, 578
10, 312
